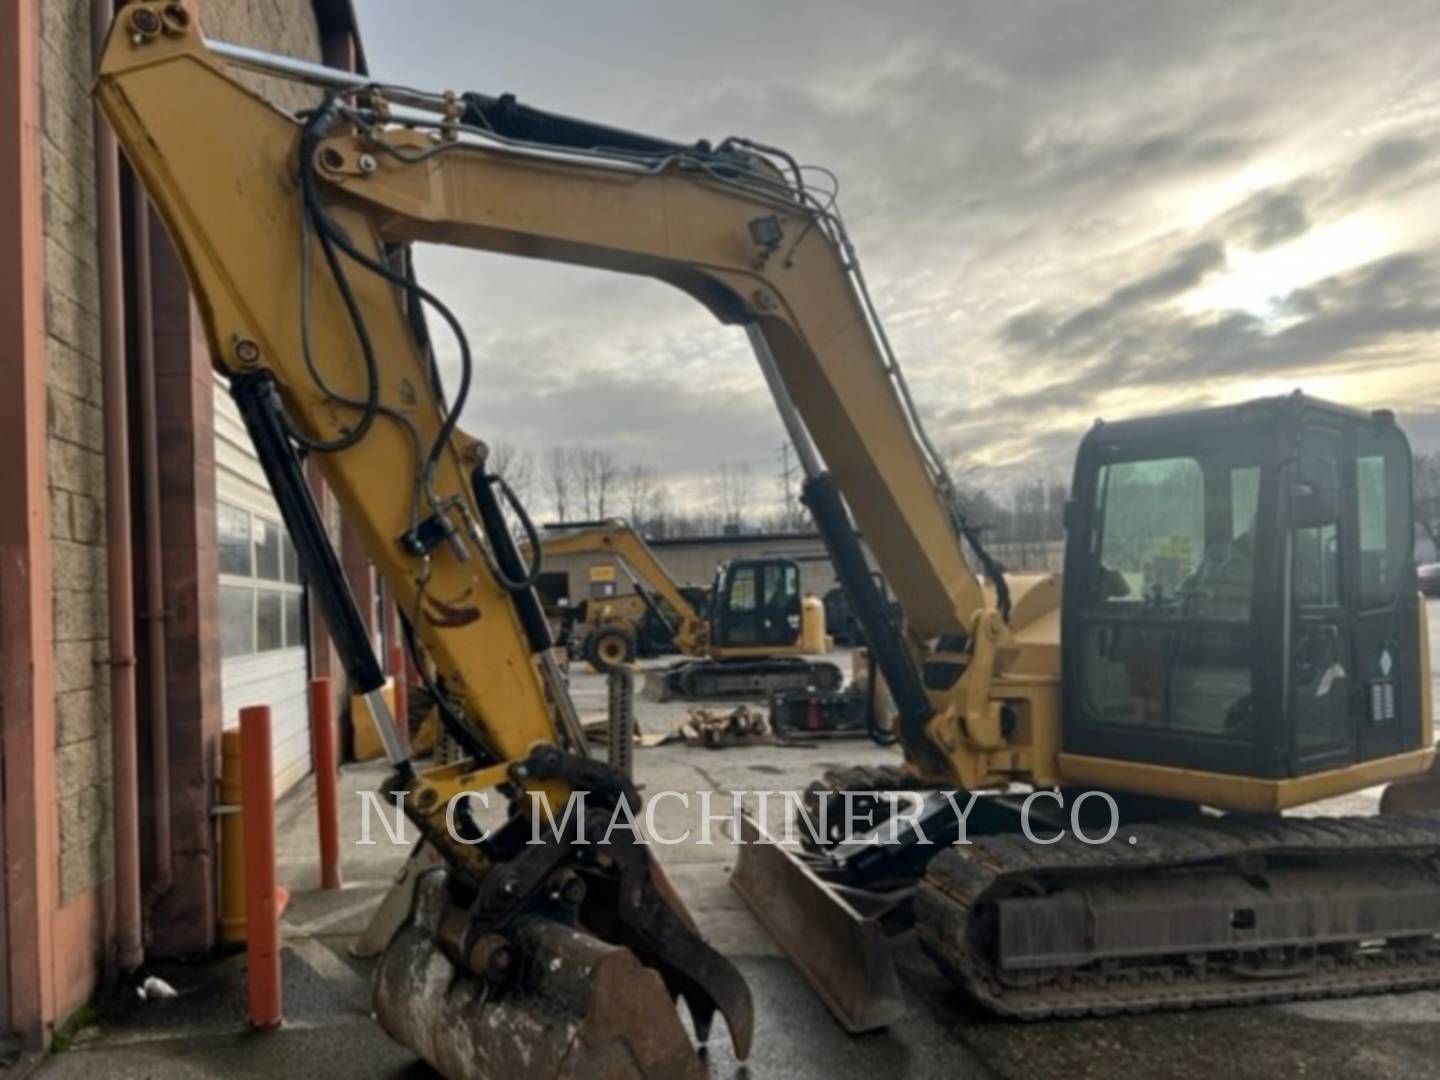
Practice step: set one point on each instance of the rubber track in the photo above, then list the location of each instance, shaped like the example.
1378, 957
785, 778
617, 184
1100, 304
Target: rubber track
959, 881
706, 680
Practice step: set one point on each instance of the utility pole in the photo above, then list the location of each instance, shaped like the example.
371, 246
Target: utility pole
790, 511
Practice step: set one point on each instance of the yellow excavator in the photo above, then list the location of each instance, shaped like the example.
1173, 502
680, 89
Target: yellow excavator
1240, 635
756, 636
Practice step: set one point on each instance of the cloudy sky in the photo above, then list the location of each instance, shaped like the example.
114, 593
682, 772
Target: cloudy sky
1066, 210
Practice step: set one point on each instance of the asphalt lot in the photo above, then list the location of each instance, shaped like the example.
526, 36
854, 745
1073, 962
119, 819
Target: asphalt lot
329, 1032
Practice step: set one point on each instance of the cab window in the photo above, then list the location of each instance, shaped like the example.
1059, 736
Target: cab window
1382, 483
1152, 516
1166, 638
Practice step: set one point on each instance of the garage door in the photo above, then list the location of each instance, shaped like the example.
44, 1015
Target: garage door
262, 619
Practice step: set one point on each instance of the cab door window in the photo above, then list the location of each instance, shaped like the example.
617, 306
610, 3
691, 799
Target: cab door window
1320, 674
740, 619
780, 622
1385, 653
1167, 630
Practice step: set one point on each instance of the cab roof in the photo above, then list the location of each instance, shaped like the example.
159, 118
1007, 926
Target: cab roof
1244, 414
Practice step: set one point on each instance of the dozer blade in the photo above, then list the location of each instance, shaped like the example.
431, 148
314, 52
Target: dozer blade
1413, 796
574, 1007
836, 934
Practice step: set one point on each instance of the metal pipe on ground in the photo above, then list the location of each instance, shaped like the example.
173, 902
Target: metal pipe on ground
129, 940
163, 863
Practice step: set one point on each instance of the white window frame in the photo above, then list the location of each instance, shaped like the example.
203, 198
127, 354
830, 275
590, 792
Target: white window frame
289, 591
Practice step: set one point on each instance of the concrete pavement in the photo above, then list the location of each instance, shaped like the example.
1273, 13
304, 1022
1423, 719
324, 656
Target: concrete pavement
329, 1032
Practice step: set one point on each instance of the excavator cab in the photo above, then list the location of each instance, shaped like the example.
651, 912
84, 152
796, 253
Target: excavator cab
757, 604
1240, 593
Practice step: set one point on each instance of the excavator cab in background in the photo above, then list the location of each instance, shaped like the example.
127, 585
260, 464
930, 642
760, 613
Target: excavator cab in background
755, 635
1240, 600
757, 604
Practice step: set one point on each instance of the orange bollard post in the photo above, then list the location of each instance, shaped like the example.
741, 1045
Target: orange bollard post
327, 795
262, 899
398, 670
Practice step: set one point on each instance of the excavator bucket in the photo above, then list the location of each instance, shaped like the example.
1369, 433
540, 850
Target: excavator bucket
570, 1006
838, 936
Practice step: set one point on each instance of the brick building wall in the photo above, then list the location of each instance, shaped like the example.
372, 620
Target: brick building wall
184, 917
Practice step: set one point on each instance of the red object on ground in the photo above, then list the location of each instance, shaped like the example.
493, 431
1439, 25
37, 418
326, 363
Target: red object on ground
399, 673
812, 715
327, 795
263, 901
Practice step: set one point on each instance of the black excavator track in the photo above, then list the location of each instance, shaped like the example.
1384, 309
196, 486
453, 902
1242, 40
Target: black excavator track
1208, 911
718, 680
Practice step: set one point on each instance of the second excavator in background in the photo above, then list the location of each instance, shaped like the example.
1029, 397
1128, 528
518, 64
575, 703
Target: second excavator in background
756, 635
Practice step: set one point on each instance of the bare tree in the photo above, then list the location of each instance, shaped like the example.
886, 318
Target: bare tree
1036, 520
975, 504
657, 522
559, 479
607, 478
598, 471
793, 516
639, 488
515, 465
732, 491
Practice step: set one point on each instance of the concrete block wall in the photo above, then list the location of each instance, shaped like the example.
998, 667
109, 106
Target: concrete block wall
288, 27
75, 449
74, 441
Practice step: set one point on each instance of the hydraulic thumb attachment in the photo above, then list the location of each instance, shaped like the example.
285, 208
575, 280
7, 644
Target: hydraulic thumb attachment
564, 957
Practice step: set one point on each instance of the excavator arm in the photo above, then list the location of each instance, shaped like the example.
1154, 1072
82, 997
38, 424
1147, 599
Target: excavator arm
617, 538
734, 226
